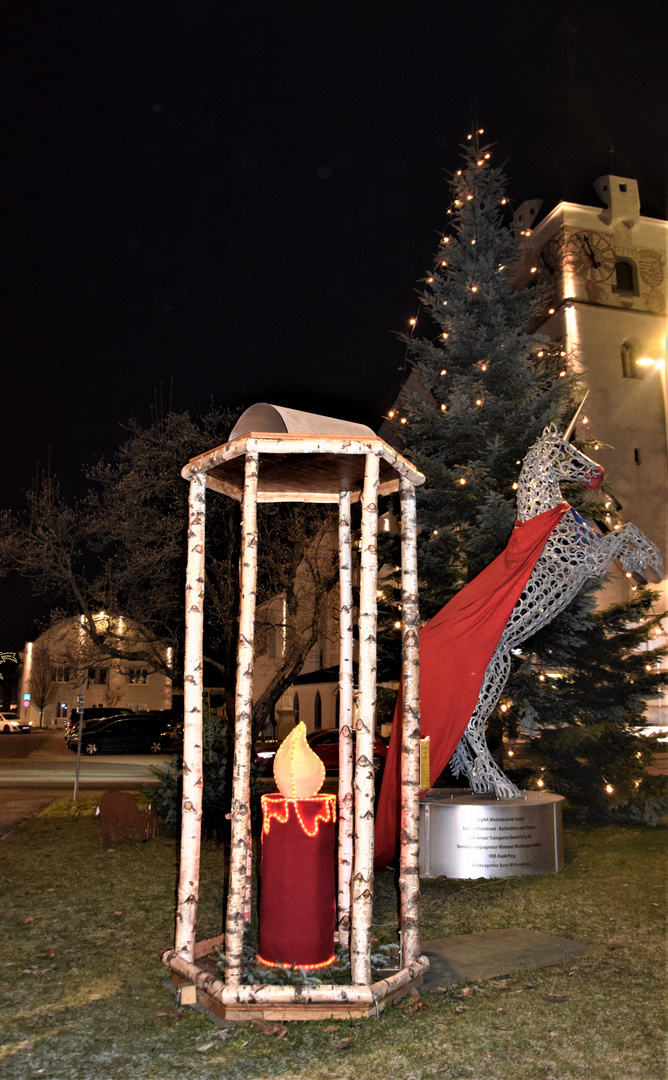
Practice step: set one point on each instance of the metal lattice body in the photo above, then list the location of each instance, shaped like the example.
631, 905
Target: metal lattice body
575, 553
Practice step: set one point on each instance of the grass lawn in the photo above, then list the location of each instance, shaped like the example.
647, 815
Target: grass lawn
82, 991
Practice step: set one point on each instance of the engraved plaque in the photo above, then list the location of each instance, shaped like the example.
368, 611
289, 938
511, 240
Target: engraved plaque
472, 836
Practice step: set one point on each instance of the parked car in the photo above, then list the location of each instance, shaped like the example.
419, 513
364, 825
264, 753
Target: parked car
11, 725
94, 712
126, 734
326, 745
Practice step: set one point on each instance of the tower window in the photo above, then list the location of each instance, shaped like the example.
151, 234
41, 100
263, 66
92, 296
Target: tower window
626, 277
317, 711
629, 354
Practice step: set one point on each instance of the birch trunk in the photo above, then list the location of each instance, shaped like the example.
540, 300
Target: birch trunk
362, 891
345, 718
191, 801
240, 855
409, 876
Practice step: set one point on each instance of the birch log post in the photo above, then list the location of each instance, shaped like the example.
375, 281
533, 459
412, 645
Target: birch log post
362, 890
243, 736
345, 717
409, 875
191, 799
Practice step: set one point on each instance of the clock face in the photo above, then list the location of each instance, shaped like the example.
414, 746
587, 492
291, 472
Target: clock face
591, 255
551, 255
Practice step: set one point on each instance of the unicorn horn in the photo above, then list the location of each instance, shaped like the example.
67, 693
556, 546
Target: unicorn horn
569, 430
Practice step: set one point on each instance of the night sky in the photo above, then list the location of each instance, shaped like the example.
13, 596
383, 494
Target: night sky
237, 204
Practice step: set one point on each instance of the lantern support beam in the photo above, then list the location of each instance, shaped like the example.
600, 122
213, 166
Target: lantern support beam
409, 872
346, 827
191, 799
362, 891
240, 849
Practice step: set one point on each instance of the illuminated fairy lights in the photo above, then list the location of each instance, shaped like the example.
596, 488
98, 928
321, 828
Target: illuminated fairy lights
277, 808
294, 967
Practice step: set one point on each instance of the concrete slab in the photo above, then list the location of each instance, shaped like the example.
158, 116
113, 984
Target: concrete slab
470, 957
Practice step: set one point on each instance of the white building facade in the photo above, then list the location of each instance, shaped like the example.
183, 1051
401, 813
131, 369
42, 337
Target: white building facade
62, 664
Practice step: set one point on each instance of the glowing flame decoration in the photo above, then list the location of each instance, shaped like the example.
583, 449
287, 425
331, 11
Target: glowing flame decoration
299, 773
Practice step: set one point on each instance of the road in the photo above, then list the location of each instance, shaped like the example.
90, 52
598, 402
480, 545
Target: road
35, 769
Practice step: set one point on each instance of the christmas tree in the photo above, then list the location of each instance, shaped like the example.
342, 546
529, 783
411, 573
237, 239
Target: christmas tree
588, 691
481, 391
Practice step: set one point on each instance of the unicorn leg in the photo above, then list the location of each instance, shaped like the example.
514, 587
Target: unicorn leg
485, 776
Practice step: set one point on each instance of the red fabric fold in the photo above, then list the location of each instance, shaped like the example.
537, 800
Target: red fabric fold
456, 647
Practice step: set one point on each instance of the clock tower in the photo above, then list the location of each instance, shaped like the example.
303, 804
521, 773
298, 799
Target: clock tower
606, 268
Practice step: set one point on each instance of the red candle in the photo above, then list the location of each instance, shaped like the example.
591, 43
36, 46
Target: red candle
298, 881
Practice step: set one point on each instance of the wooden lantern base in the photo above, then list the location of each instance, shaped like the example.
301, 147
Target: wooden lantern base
263, 1002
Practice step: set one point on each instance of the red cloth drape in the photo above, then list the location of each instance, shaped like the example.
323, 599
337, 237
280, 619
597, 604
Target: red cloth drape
456, 647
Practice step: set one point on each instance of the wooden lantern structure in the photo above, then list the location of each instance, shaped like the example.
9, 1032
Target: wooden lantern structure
280, 455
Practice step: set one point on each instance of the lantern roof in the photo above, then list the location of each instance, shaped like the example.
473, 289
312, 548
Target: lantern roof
304, 457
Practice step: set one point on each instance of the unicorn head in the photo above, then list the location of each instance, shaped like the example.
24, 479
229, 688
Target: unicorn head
550, 460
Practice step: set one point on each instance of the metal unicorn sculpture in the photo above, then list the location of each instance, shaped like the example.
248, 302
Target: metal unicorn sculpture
574, 553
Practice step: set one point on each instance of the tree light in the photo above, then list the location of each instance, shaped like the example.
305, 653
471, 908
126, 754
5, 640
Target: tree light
474, 288
551, 311
609, 788
540, 783
483, 367
443, 371
397, 625
412, 322
534, 269
403, 420
391, 413
444, 408
562, 374
462, 481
